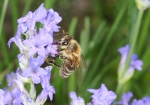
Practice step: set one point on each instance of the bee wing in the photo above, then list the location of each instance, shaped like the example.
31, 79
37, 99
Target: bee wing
83, 62
79, 73
81, 66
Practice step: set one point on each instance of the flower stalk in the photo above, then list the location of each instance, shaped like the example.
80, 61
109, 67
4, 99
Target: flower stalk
133, 41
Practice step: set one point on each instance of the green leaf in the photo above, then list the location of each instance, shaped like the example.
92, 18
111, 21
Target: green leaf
14, 14
72, 27
49, 3
27, 6
3, 15
144, 32
103, 49
85, 35
97, 37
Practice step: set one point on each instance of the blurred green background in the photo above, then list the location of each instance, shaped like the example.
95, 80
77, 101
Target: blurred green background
101, 27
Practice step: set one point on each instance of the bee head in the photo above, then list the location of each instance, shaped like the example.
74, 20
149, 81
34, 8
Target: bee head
65, 41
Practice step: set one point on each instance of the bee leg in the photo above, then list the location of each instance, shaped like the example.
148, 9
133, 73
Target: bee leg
60, 50
52, 61
60, 56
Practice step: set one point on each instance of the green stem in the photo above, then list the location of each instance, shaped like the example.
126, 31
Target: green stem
133, 43
119, 89
32, 91
3, 15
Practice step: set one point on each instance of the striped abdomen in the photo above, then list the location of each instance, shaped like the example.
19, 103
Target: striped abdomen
67, 68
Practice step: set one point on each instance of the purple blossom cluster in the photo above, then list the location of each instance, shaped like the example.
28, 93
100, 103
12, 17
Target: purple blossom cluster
126, 97
101, 96
135, 63
35, 45
142, 4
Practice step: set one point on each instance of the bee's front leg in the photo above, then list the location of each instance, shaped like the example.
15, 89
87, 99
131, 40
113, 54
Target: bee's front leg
60, 56
52, 61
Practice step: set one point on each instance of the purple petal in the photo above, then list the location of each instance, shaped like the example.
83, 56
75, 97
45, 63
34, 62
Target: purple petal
41, 71
32, 51
135, 63
27, 73
27, 17
92, 90
45, 79
27, 20
31, 24
51, 90
52, 50
36, 62
42, 97
22, 28
40, 13
103, 88
19, 84
43, 38
16, 93
29, 42
127, 96
10, 41
8, 98
124, 53
102, 96
45, 82
1, 92
41, 52
17, 101
124, 50
134, 57
73, 95
35, 79
54, 16
18, 42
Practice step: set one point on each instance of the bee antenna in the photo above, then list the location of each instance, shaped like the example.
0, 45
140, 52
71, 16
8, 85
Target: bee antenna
64, 33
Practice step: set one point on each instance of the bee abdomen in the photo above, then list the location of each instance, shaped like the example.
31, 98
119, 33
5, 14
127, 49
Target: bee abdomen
64, 73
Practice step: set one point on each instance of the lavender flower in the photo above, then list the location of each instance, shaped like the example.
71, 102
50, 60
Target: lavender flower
142, 4
35, 71
143, 101
31, 18
125, 99
46, 78
43, 95
34, 49
37, 44
5, 97
1, 97
134, 64
17, 96
102, 96
76, 100
51, 21
19, 43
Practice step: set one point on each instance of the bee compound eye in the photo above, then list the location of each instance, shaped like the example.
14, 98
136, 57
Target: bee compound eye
65, 43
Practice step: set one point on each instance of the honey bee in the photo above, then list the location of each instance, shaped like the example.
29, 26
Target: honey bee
71, 55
